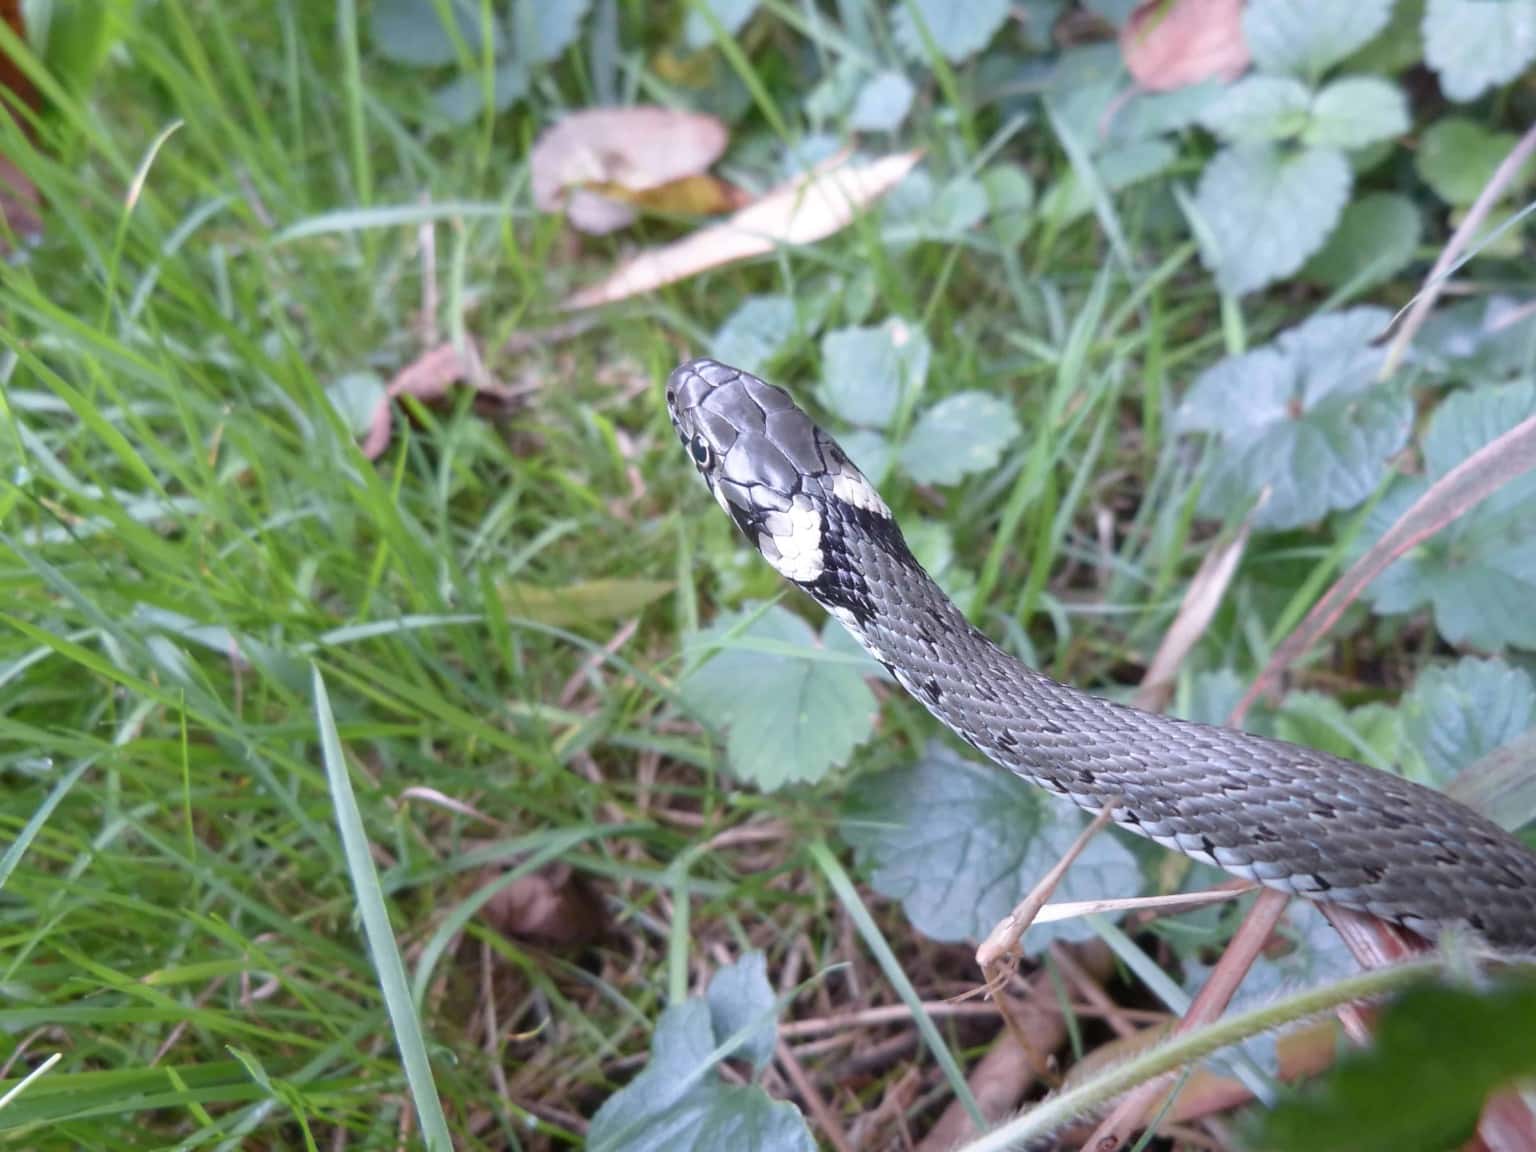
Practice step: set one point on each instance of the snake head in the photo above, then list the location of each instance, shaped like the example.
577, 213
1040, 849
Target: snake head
777, 474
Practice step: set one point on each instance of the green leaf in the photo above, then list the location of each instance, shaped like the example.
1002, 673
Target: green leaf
922, 212
679, 1104
1457, 157
554, 27
411, 31
1010, 202
732, 15
1459, 713
870, 451
758, 330
460, 101
963, 433
1376, 238
1118, 168
356, 398
866, 371
882, 103
957, 30
1259, 108
1307, 37
741, 997
790, 713
1438, 1053
1356, 112
1474, 45
961, 843
1478, 575
1397, 48
383, 949
1303, 417
1266, 210
1369, 733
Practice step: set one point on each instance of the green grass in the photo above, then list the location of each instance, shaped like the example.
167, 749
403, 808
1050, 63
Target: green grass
232, 644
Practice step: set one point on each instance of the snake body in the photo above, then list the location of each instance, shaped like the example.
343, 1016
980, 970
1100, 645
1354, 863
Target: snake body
1289, 817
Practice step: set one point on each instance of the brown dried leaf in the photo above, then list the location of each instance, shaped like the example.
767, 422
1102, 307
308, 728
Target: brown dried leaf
805, 210
1171, 44
554, 905
429, 377
1201, 600
636, 149
20, 204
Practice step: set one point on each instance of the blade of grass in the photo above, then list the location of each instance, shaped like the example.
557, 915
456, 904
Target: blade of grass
381, 939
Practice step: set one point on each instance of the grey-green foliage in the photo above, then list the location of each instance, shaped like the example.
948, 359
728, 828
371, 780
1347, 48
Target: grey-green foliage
679, 1103
960, 843
1474, 45
1458, 713
1301, 423
523, 35
1275, 193
869, 373
792, 705
1477, 575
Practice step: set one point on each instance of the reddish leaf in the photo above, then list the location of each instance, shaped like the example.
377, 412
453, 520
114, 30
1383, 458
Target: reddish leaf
1171, 44
20, 204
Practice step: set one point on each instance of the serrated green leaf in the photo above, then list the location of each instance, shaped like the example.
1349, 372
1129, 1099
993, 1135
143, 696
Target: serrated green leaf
1304, 417
1266, 210
356, 398
732, 16
740, 997
882, 103
679, 1104
866, 371
790, 714
1307, 37
1480, 339
1259, 108
1459, 713
1356, 112
1370, 733
1438, 1053
957, 30
411, 32
1457, 157
961, 843
1150, 114
759, 329
1474, 45
1478, 575
961, 434
1376, 238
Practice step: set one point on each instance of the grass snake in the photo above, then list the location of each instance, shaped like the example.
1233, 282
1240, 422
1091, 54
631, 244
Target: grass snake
1289, 817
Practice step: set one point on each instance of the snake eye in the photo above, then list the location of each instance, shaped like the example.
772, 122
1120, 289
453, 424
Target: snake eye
701, 452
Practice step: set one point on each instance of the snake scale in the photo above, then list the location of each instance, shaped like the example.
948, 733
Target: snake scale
1289, 817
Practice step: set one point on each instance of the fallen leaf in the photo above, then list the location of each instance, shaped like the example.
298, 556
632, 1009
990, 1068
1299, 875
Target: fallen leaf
429, 377
554, 905
806, 209
1171, 44
20, 204
636, 149
584, 602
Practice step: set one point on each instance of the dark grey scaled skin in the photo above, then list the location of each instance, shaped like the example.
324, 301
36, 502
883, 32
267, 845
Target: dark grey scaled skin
1295, 819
